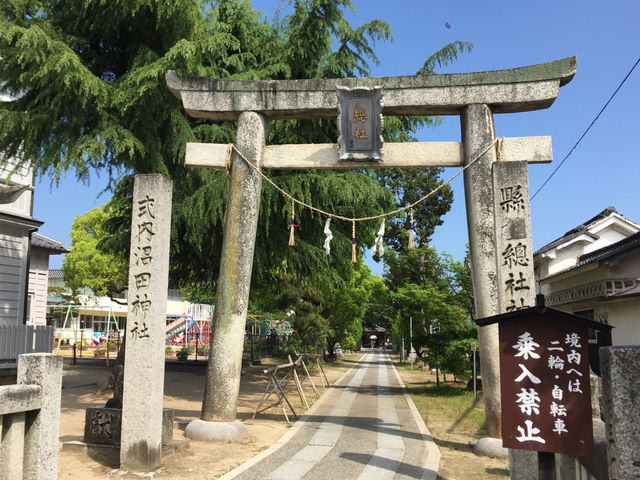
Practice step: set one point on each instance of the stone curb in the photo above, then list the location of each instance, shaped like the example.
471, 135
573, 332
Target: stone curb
431, 462
282, 441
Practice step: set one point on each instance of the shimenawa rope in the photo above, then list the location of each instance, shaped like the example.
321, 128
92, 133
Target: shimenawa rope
353, 220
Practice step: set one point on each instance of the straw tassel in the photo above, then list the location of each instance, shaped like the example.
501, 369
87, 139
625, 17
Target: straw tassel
353, 241
292, 225
292, 236
412, 233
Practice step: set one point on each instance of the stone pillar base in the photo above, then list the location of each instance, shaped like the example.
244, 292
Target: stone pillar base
490, 447
203, 430
103, 426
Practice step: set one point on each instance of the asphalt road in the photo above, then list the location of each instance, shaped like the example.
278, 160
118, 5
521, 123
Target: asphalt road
362, 428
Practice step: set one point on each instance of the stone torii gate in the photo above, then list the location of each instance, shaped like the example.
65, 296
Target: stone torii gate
496, 194
495, 228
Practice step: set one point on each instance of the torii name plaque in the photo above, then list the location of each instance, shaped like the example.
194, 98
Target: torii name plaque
360, 123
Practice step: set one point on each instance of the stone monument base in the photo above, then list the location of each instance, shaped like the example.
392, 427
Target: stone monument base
109, 455
200, 429
102, 426
490, 447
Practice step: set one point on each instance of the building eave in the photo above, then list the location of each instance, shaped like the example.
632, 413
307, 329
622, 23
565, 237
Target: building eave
21, 221
619, 248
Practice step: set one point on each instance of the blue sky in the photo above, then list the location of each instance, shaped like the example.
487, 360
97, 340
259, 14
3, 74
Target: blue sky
605, 168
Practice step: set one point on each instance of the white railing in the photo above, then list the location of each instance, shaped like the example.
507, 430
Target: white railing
30, 413
201, 311
592, 291
18, 339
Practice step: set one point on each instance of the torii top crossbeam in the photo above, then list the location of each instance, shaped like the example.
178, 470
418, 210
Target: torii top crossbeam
504, 91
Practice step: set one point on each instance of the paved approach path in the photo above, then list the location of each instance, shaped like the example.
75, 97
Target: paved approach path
365, 427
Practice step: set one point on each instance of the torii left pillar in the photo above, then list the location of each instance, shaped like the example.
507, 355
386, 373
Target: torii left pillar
232, 292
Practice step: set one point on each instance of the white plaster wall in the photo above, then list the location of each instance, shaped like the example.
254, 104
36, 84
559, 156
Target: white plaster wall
566, 257
22, 176
625, 317
608, 237
581, 276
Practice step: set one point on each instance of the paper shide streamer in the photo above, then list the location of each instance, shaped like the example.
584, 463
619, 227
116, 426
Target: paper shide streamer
293, 224
354, 256
329, 236
378, 245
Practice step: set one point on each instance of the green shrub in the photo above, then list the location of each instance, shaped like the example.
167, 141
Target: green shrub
183, 353
168, 350
203, 350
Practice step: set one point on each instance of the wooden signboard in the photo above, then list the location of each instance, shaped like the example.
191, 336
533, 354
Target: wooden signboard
545, 387
545, 380
360, 123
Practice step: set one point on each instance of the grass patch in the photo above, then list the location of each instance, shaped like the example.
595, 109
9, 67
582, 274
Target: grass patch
449, 403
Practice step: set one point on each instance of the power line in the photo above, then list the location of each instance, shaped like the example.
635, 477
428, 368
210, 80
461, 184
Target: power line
587, 130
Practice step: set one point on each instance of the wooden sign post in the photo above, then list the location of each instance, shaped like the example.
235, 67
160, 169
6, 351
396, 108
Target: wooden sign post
545, 383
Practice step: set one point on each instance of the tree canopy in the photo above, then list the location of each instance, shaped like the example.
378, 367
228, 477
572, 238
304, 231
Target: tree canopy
87, 267
89, 76
432, 293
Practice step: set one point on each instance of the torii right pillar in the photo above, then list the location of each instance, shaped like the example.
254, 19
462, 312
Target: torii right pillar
499, 224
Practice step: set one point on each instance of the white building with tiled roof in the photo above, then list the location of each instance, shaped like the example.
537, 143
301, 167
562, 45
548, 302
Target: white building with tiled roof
594, 270
24, 254
16, 225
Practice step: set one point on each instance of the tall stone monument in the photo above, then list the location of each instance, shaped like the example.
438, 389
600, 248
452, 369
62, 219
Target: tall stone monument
141, 434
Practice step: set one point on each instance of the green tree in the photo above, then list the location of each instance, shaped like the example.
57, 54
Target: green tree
417, 266
90, 75
380, 310
460, 285
85, 266
301, 300
345, 308
435, 291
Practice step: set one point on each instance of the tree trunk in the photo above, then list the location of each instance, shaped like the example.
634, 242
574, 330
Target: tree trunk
330, 343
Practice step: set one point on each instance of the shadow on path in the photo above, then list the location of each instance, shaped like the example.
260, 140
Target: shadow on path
401, 468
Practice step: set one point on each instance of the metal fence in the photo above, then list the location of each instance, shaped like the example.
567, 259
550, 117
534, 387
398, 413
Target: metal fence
18, 339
